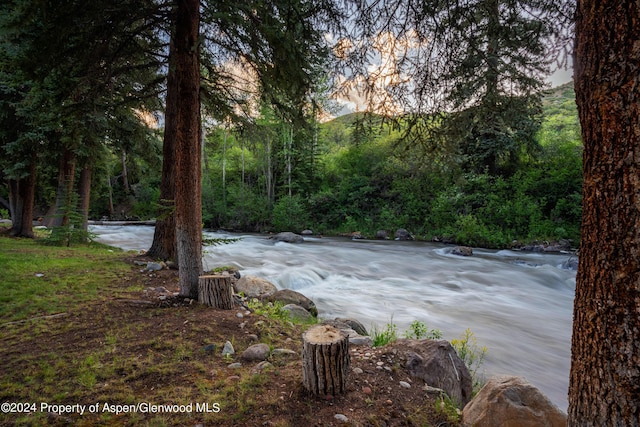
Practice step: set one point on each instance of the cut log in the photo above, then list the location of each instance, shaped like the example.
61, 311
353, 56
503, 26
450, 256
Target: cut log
325, 360
216, 291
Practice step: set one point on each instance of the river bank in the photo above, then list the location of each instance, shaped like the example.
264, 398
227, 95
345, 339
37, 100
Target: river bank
518, 304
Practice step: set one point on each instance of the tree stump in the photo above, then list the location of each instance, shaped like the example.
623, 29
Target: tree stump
325, 360
216, 291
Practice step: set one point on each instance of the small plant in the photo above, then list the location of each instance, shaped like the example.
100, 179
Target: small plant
70, 233
447, 407
419, 330
471, 354
385, 336
272, 310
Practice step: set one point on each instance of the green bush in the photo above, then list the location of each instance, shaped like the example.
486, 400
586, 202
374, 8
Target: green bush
290, 214
418, 331
471, 354
468, 230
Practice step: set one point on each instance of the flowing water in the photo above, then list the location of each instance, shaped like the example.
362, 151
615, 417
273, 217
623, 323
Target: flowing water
517, 304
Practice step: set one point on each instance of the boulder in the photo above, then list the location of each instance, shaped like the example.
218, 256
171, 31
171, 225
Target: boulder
354, 324
355, 337
254, 287
462, 251
511, 402
382, 235
306, 232
402, 234
297, 312
438, 364
257, 352
287, 237
571, 264
289, 296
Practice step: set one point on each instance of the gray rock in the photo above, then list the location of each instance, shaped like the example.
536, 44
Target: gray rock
228, 350
341, 417
256, 352
382, 235
154, 266
438, 364
405, 384
235, 365
402, 234
511, 401
283, 352
298, 313
306, 232
287, 237
462, 251
254, 287
288, 296
354, 324
571, 263
361, 340
261, 367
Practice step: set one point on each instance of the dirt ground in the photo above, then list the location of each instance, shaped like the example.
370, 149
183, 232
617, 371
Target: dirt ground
169, 351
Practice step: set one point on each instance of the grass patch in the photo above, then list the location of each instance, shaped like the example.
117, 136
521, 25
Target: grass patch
38, 280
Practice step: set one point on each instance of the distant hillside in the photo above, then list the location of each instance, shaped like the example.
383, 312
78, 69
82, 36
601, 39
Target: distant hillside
559, 96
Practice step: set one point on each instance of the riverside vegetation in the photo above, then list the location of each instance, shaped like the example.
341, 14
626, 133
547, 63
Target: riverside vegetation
83, 324
357, 174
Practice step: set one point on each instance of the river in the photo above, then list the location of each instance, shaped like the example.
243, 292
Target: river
517, 304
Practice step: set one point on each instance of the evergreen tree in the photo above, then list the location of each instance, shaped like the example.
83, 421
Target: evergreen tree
80, 68
478, 64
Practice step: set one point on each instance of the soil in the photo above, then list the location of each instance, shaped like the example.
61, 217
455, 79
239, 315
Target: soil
159, 326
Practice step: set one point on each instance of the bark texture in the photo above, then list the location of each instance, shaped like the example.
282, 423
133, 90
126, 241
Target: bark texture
325, 360
188, 191
216, 291
604, 385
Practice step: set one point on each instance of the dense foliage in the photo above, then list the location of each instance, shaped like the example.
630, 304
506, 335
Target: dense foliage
439, 171
353, 174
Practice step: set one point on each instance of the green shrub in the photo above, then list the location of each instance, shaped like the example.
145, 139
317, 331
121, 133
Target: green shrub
419, 330
470, 231
290, 214
471, 354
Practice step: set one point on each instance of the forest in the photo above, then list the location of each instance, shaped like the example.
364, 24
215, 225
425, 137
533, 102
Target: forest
494, 161
355, 173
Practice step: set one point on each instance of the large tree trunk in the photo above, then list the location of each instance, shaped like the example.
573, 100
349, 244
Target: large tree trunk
164, 237
188, 191
84, 194
21, 199
66, 175
604, 385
